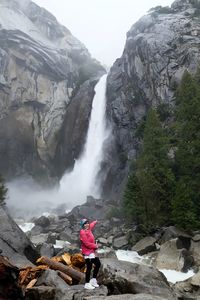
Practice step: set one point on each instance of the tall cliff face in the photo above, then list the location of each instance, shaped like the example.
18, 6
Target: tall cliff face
44, 70
159, 48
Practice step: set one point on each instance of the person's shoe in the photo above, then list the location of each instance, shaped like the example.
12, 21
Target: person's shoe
88, 286
93, 282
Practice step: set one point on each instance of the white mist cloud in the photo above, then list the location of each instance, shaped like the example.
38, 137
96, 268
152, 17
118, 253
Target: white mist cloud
27, 199
100, 24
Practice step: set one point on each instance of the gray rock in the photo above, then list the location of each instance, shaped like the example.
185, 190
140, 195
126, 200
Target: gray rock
120, 242
50, 278
195, 280
188, 289
126, 297
124, 277
14, 243
47, 250
42, 221
172, 232
46, 75
39, 239
152, 64
103, 241
106, 253
196, 238
145, 245
170, 257
52, 237
36, 230
195, 246
77, 292
41, 292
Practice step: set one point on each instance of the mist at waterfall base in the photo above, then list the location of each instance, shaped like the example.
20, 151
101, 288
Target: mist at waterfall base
26, 198
83, 181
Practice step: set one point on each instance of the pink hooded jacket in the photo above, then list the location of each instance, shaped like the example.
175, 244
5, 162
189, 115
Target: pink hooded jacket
88, 244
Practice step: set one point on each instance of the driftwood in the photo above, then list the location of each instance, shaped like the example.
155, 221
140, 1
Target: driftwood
75, 274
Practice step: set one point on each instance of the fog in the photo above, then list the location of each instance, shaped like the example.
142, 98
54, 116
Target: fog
27, 199
100, 24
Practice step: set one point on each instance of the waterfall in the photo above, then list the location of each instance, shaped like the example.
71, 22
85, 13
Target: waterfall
27, 199
82, 180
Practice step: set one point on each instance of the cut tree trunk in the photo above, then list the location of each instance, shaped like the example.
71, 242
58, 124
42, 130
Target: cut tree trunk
75, 274
65, 277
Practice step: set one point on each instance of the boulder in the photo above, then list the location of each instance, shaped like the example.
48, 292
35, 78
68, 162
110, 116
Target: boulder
123, 277
93, 209
75, 292
106, 253
196, 237
194, 248
47, 250
173, 232
50, 278
14, 242
42, 221
120, 242
39, 239
188, 289
145, 245
41, 293
170, 257
126, 297
195, 280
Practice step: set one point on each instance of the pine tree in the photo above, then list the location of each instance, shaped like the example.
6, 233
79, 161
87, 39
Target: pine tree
3, 191
148, 194
182, 206
132, 206
154, 173
188, 151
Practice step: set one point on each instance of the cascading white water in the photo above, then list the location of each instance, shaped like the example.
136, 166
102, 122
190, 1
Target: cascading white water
81, 181
74, 186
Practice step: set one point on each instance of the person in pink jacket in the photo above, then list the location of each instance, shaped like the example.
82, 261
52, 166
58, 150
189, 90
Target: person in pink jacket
88, 247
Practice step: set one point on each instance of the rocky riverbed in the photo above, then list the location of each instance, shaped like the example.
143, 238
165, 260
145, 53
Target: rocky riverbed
164, 248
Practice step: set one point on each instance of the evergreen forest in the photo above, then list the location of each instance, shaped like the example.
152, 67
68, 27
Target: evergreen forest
163, 186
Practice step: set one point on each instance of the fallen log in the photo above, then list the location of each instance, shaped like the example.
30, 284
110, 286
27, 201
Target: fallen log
75, 274
65, 277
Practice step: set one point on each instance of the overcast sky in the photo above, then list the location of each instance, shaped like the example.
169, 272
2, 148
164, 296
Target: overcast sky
100, 24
